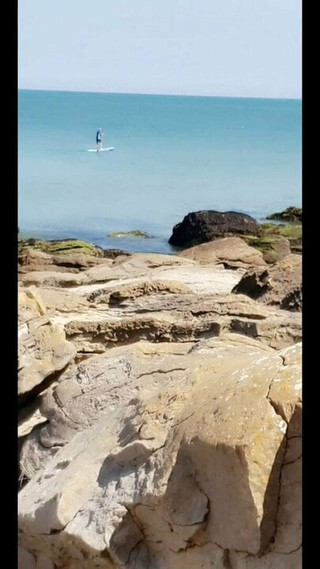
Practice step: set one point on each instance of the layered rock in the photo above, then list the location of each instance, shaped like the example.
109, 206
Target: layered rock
181, 476
60, 256
43, 348
278, 285
160, 424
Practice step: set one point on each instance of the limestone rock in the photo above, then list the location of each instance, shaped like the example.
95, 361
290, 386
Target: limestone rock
232, 252
52, 278
30, 306
96, 387
144, 288
137, 265
196, 471
57, 301
180, 318
29, 258
42, 351
278, 285
279, 248
54, 258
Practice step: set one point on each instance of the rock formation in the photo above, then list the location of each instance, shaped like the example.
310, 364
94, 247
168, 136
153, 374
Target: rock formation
202, 226
291, 214
278, 285
160, 414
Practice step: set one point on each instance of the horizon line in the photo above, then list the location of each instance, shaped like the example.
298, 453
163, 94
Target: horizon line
159, 94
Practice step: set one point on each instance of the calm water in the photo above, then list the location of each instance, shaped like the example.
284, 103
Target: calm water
172, 155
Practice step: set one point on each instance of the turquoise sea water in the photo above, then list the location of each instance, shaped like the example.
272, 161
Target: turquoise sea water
173, 155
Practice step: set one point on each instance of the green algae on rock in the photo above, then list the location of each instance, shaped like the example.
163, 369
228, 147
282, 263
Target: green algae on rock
291, 214
274, 236
61, 247
132, 233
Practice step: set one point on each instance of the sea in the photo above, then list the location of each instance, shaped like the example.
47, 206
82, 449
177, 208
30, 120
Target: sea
172, 155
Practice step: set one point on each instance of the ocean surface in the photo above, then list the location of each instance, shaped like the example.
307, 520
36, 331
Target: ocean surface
173, 155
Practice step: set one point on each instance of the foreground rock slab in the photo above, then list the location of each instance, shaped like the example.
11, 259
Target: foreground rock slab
201, 469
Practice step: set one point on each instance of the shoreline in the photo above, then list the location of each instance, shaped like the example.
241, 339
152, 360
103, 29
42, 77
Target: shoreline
131, 238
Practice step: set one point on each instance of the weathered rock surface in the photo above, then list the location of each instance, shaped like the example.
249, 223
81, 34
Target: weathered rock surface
159, 424
42, 346
146, 288
120, 268
232, 252
279, 248
57, 256
179, 318
42, 352
53, 278
58, 301
202, 226
201, 465
278, 285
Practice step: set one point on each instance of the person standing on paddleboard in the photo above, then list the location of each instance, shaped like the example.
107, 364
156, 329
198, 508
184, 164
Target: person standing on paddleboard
99, 138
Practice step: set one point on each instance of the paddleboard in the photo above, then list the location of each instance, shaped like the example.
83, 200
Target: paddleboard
101, 149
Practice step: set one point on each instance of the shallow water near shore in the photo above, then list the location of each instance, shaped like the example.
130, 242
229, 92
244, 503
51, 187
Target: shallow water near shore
172, 155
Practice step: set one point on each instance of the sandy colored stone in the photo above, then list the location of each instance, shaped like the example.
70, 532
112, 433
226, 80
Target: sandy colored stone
181, 318
25, 559
42, 352
52, 278
148, 288
29, 307
276, 284
137, 265
177, 444
179, 476
231, 251
279, 248
58, 301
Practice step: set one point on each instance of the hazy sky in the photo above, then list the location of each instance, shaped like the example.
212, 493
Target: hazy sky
248, 48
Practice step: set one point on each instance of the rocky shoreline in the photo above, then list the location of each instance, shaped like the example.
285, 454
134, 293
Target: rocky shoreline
160, 404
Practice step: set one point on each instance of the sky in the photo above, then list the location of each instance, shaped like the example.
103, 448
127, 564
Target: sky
230, 48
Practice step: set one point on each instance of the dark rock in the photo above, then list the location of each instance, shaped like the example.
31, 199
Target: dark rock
278, 285
291, 214
113, 253
203, 226
273, 247
293, 300
254, 284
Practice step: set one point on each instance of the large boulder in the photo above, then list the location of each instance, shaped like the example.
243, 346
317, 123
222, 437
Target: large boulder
202, 226
232, 252
203, 469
